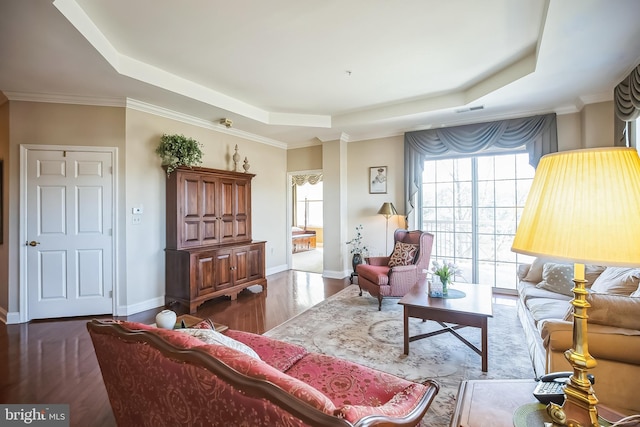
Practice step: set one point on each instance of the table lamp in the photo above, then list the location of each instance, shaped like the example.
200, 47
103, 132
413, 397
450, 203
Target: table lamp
583, 207
387, 210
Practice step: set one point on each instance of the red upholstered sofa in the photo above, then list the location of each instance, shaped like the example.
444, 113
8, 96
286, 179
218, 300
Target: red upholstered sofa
156, 377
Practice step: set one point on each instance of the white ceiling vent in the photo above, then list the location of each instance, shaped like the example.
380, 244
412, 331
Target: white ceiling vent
467, 109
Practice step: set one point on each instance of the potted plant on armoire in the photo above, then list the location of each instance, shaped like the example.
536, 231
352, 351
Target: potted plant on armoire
178, 150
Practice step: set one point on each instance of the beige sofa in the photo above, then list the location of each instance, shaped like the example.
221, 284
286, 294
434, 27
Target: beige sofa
544, 309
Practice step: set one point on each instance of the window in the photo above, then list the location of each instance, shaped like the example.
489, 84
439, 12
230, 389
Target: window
472, 206
309, 205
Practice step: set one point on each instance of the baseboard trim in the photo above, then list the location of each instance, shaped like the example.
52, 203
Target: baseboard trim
332, 274
9, 318
127, 310
276, 269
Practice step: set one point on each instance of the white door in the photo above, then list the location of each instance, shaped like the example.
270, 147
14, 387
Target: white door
69, 233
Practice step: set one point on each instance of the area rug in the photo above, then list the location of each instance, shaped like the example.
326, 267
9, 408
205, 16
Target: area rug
351, 327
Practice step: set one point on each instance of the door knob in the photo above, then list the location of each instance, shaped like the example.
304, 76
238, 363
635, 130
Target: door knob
33, 243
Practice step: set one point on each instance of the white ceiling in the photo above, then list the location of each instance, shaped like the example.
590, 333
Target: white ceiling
294, 73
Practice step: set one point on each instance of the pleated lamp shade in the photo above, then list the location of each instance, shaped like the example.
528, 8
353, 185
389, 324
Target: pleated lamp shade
584, 207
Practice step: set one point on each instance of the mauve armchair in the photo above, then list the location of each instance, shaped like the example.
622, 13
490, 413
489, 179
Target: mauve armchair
382, 280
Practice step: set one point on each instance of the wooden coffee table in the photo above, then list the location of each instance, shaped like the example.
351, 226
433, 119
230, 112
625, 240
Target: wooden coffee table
472, 310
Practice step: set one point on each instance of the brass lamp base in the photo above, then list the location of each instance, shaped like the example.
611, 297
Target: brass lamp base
573, 413
579, 408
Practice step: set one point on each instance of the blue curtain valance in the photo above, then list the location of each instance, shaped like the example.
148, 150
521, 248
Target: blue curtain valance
537, 134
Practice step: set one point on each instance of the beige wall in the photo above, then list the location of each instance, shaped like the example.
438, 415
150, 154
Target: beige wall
304, 159
569, 132
598, 125
592, 127
363, 207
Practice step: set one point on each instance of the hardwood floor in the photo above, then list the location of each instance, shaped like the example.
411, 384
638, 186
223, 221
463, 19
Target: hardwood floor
52, 361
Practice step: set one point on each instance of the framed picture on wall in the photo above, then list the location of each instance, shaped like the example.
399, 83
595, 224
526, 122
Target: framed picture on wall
378, 180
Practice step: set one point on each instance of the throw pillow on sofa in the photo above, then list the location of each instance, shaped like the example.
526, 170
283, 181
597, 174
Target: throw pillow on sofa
611, 310
557, 278
211, 336
617, 281
534, 275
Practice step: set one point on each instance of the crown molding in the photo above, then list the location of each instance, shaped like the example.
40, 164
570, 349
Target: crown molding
597, 97
65, 99
144, 107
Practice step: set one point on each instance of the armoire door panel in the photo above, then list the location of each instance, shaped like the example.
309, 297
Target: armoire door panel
241, 228
191, 207
210, 231
209, 196
227, 198
191, 232
227, 231
242, 198
206, 274
240, 257
255, 262
224, 276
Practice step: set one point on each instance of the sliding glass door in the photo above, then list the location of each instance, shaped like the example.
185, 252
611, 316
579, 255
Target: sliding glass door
472, 206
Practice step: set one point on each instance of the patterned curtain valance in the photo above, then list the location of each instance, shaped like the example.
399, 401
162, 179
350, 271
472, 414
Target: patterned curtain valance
303, 179
626, 97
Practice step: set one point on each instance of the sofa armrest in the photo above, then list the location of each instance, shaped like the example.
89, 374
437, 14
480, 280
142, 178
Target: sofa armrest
404, 268
522, 271
414, 401
378, 260
605, 342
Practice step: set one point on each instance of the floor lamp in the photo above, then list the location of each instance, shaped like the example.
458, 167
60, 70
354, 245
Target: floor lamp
583, 208
387, 210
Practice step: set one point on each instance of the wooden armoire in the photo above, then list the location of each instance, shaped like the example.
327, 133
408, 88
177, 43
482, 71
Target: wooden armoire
210, 251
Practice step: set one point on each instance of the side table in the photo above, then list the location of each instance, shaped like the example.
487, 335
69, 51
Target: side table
492, 403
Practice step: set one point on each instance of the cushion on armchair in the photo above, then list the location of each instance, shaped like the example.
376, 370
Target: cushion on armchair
403, 254
375, 273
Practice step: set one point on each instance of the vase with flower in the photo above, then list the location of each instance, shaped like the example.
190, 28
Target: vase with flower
445, 271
